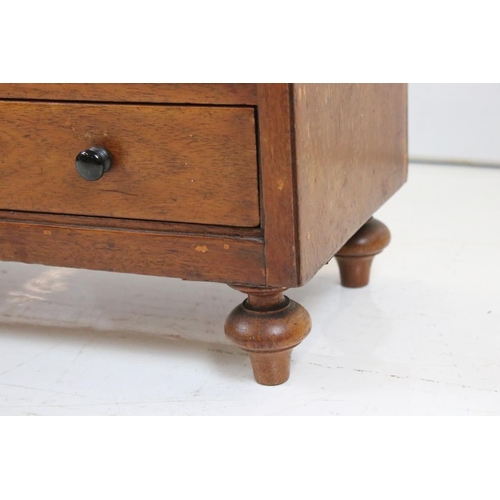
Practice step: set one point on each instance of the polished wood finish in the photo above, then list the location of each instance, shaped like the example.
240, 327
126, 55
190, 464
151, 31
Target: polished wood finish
351, 153
165, 93
170, 163
330, 155
268, 325
255, 233
356, 256
278, 184
199, 257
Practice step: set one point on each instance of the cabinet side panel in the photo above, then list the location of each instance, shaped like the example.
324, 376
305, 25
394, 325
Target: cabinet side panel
351, 153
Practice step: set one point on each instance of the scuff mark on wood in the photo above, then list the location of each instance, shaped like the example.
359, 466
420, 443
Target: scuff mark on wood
201, 248
118, 191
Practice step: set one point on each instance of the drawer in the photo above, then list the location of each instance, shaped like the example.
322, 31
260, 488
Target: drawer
193, 164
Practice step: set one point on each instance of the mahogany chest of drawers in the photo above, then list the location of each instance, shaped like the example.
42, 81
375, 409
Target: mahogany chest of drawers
253, 185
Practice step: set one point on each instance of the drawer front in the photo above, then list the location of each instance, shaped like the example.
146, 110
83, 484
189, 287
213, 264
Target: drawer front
169, 163
172, 93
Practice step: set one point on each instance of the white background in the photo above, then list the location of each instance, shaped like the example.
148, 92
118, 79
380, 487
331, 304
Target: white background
454, 122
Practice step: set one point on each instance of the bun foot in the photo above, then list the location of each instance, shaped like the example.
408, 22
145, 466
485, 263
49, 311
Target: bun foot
356, 256
271, 368
268, 325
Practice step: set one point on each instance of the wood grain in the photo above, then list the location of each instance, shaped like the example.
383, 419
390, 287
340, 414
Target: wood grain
144, 225
356, 255
268, 325
190, 257
351, 154
278, 184
170, 93
170, 163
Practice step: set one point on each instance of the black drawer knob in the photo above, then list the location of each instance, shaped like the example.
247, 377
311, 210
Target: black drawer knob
92, 163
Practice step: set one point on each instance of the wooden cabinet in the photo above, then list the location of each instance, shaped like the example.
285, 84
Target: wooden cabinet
253, 185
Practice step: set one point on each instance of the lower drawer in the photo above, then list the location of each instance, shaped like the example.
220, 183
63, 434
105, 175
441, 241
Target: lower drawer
194, 164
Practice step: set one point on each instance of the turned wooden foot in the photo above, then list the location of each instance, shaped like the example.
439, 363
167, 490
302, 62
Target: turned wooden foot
356, 256
268, 325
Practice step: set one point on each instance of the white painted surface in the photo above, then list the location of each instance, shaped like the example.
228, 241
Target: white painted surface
455, 121
423, 338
